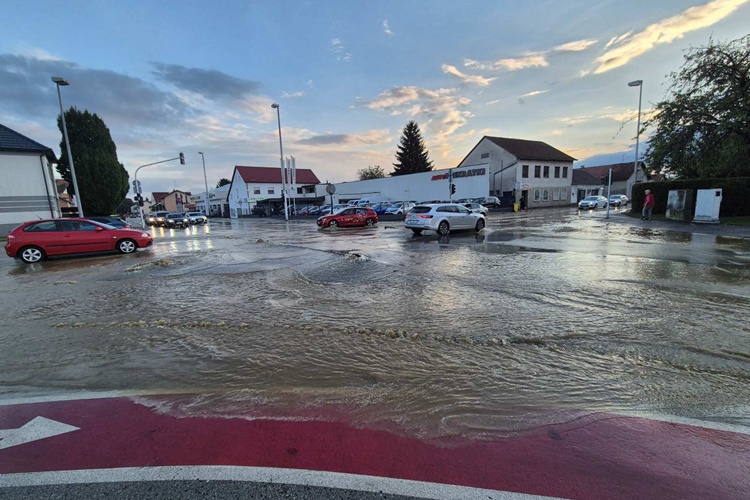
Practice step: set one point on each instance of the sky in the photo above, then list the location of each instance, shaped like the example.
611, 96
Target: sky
186, 76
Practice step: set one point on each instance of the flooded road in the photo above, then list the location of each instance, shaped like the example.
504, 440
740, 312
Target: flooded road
539, 318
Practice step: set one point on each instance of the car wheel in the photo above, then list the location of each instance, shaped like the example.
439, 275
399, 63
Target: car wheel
416, 231
31, 255
443, 228
126, 246
370, 222
480, 225
333, 223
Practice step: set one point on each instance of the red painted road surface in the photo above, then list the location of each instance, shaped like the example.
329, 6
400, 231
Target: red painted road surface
594, 458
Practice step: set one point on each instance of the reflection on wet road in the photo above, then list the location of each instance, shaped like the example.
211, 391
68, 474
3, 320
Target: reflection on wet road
538, 317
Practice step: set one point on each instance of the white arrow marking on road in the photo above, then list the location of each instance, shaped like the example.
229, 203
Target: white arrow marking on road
39, 428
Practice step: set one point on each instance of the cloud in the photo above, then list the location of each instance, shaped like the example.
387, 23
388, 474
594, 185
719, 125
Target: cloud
369, 138
495, 101
290, 95
337, 47
627, 47
440, 112
211, 84
535, 92
386, 28
476, 79
531, 60
556, 132
576, 46
310, 83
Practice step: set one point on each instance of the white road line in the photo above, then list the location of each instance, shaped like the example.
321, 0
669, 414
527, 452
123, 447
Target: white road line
298, 477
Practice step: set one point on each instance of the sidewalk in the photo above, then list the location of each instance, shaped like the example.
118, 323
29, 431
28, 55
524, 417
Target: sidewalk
684, 227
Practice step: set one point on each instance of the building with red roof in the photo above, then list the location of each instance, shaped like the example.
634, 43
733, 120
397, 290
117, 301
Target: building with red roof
253, 185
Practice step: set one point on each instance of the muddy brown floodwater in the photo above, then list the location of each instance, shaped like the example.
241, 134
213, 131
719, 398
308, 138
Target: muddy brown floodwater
538, 318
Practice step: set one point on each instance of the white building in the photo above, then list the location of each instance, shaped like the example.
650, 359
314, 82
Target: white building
518, 167
254, 185
472, 181
28, 190
217, 201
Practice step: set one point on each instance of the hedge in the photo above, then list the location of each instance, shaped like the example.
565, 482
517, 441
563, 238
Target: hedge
735, 194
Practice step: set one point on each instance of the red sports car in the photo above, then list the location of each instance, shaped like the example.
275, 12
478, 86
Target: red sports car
352, 216
36, 240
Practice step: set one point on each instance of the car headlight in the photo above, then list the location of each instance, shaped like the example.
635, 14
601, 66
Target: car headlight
145, 235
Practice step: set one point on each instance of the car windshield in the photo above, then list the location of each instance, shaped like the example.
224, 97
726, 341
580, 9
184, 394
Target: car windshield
591, 198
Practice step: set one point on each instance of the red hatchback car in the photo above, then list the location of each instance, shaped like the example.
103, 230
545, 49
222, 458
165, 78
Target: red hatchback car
36, 240
352, 216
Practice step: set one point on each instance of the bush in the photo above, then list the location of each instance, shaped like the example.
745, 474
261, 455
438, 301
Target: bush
735, 194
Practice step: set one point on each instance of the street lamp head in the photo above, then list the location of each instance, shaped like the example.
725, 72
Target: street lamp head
200, 153
635, 83
274, 106
60, 80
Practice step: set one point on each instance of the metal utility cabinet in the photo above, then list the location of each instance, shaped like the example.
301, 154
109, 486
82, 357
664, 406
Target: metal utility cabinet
707, 206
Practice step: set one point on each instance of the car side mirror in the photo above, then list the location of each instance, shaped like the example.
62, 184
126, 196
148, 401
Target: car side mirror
99, 228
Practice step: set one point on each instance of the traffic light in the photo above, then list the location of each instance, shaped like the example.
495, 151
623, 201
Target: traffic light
140, 202
604, 180
453, 189
182, 159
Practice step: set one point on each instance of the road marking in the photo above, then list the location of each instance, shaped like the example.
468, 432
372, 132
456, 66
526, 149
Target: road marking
300, 477
36, 429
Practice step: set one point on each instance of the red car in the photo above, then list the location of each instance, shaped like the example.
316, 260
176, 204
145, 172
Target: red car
36, 240
352, 216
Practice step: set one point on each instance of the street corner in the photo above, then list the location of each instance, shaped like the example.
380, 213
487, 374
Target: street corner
595, 456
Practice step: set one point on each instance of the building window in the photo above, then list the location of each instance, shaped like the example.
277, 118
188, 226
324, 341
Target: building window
546, 171
565, 172
545, 194
537, 194
555, 194
557, 172
256, 190
270, 191
525, 172
299, 191
563, 193
485, 155
537, 171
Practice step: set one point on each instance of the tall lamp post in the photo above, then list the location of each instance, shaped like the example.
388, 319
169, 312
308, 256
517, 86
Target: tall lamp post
59, 81
639, 84
281, 158
206, 181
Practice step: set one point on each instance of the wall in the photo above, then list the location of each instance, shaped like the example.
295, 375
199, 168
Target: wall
501, 165
471, 182
23, 194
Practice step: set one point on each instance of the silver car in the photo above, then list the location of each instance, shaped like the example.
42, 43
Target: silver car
196, 217
443, 218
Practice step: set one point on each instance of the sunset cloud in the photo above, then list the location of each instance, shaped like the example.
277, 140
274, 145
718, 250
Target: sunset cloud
475, 79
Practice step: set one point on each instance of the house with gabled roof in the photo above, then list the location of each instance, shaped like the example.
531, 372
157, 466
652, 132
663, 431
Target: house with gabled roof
253, 185
623, 178
28, 190
518, 168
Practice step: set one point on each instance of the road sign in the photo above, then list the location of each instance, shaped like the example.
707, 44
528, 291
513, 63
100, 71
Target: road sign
136, 186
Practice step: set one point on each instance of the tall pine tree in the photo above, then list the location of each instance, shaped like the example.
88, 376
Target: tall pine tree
411, 154
102, 179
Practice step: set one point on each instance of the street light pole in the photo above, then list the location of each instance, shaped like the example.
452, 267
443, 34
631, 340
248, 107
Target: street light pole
639, 84
140, 208
205, 179
281, 158
59, 81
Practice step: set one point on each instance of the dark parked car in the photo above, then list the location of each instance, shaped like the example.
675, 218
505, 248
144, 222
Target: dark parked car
112, 221
36, 240
259, 211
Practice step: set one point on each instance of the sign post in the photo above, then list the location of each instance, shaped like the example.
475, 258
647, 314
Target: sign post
331, 189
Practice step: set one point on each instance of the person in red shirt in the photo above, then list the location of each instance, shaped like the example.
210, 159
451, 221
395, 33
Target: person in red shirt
648, 205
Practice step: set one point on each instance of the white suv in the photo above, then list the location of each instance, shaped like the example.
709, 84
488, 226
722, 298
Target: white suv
443, 218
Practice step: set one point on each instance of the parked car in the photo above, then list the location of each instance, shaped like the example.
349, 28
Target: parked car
352, 216
112, 221
400, 208
36, 240
380, 208
176, 220
489, 201
443, 218
303, 211
592, 202
477, 208
314, 211
259, 211
196, 217
617, 200
157, 218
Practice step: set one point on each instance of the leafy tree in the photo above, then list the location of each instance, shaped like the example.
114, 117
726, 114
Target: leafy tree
223, 182
375, 172
703, 127
411, 154
102, 179
124, 207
